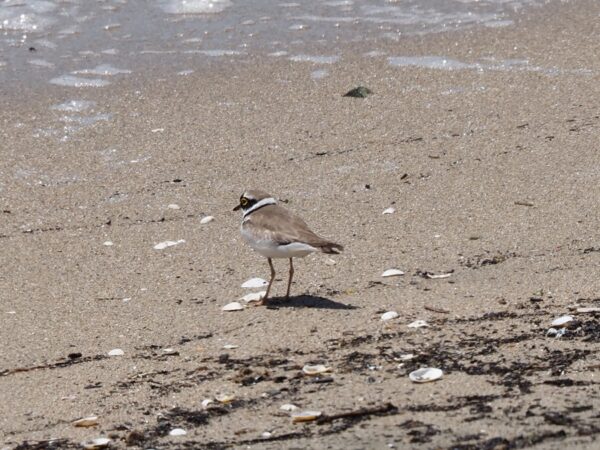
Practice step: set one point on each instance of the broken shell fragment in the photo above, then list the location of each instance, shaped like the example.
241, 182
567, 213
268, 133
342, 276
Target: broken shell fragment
206, 220
407, 357
206, 402
90, 421
254, 296
225, 398
392, 273
230, 346
425, 375
177, 432
562, 321
389, 315
588, 309
305, 416
165, 244
116, 352
173, 206
92, 444
254, 283
288, 407
418, 324
315, 370
389, 210
169, 351
233, 306
439, 276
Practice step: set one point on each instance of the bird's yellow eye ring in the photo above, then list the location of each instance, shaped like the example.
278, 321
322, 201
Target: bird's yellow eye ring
243, 201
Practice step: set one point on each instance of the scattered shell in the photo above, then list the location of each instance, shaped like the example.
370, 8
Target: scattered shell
254, 296
169, 351
90, 421
588, 309
433, 276
389, 315
116, 352
108, 243
254, 283
165, 244
100, 442
407, 357
233, 306
418, 324
562, 321
425, 375
177, 432
315, 370
288, 407
389, 210
206, 402
305, 416
330, 262
225, 398
230, 346
392, 273
206, 219
266, 434
556, 333
173, 206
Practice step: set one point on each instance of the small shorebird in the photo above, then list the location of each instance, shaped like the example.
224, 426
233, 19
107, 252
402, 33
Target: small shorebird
274, 232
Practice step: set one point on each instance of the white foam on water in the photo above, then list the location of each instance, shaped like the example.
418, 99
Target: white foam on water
40, 63
279, 53
72, 81
110, 51
31, 16
317, 59
318, 74
74, 106
429, 62
102, 69
216, 52
194, 6
86, 120
185, 72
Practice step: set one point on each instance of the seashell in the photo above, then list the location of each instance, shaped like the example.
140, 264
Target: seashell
173, 206
254, 296
426, 374
90, 421
315, 370
556, 333
233, 306
254, 283
116, 352
92, 444
433, 276
165, 244
288, 407
108, 243
562, 321
389, 210
206, 402
225, 398
169, 351
407, 357
206, 219
418, 324
392, 273
266, 434
305, 416
389, 315
177, 432
588, 309
230, 346
330, 262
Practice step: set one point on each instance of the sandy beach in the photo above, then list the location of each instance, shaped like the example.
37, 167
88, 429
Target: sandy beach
492, 167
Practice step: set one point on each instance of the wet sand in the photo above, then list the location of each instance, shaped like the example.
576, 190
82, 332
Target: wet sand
494, 175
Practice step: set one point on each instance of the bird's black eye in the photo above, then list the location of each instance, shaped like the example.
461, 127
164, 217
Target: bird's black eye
243, 201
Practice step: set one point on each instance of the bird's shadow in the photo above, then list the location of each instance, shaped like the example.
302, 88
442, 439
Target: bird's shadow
307, 301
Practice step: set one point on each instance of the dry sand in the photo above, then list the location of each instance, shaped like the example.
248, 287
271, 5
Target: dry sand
494, 174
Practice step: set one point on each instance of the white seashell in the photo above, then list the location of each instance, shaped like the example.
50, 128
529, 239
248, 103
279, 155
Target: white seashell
254, 296
230, 346
425, 375
392, 273
96, 443
206, 402
206, 219
588, 309
169, 351
330, 262
288, 407
254, 283
116, 352
389, 210
418, 324
225, 398
173, 206
107, 243
233, 306
90, 421
432, 276
266, 434
315, 370
305, 416
165, 244
389, 315
177, 432
407, 357
561, 321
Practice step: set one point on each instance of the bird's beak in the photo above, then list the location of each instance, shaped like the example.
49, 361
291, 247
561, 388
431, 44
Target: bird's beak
237, 208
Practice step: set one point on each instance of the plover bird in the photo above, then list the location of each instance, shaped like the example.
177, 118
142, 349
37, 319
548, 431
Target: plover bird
275, 232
